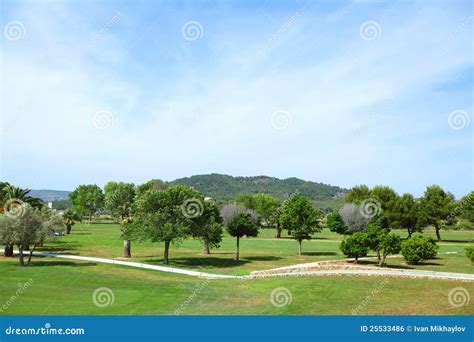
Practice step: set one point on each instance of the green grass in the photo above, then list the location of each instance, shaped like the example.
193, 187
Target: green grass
67, 286
263, 252
63, 287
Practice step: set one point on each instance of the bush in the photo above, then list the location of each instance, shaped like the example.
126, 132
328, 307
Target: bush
470, 253
419, 248
355, 246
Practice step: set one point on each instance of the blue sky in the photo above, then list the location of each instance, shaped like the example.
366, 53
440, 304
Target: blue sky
331, 91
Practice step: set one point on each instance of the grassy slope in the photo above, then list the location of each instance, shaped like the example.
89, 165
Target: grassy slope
64, 287
263, 252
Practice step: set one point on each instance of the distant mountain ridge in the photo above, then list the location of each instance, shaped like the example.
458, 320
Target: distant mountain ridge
50, 195
225, 187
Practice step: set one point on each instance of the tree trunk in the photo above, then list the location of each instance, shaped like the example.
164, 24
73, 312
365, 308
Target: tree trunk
299, 247
278, 231
379, 258
90, 217
205, 247
22, 260
8, 251
382, 261
238, 247
68, 229
438, 236
356, 260
167, 251
26, 247
409, 232
31, 255
126, 249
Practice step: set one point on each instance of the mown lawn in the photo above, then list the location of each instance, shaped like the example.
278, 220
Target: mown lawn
263, 252
63, 287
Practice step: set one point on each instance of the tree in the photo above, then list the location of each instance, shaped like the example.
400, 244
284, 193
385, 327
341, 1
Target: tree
119, 198
405, 214
419, 248
355, 246
386, 198
29, 227
436, 207
265, 206
11, 198
467, 207
389, 244
352, 217
336, 224
470, 252
87, 199
154, 184
240, 225
357, 194
299, 217
228, 211
70, 216
207, 226
159, 216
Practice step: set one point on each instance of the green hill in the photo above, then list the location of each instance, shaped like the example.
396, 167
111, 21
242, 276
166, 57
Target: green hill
225, 187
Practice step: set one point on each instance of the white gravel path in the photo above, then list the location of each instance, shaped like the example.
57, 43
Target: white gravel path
375, 272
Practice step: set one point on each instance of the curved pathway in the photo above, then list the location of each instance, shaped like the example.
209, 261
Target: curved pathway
294, 270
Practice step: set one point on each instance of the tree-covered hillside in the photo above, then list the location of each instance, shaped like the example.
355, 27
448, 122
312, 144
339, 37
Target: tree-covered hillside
224, 187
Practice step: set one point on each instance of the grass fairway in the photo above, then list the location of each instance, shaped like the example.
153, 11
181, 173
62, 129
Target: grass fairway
263, 252
66, 288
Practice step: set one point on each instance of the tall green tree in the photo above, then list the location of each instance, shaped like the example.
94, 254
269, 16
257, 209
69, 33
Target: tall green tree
264, 205
207, 225
119, 198
240, 225
159, 216
335, 223
436, 208
387, 199
300, 218
466, 205
357, 194
153, 184
405, 214
87, 199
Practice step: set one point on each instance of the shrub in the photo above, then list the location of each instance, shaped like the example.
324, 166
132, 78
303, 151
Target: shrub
419, 248
355, 246
470, 252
